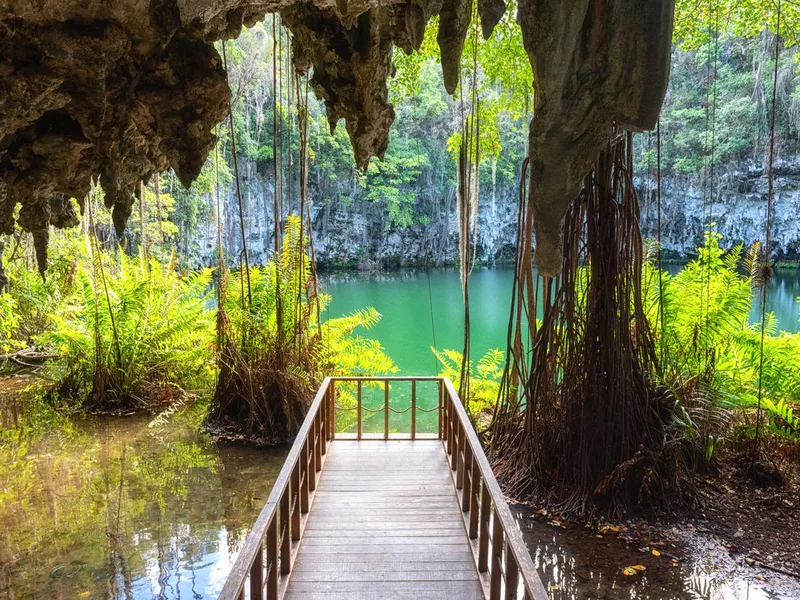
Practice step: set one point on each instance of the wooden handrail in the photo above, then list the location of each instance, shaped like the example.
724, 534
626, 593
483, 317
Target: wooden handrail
481, 488
290, 495
501, 557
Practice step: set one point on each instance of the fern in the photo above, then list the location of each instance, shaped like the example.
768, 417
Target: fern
137, 347
274, 350
485, 378
709, 349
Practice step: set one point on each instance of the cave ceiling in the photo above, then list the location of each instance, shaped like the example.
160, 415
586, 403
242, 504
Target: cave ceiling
93, 90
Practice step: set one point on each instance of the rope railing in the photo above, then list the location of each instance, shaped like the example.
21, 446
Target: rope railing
264, 565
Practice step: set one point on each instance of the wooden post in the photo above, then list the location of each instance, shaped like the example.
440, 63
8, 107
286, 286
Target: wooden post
386, 410
304, 474
483, 541
497, 560
445, 425
475, 490
332, 412
358, 409
512, 576
323, 413
413, 409
311, 458
458, 457
319, 444
286, 529
466, 477
441, 409
257, 575
295, 502
272, 558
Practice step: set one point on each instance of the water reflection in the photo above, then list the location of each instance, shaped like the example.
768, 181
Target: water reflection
116, 509
574, 564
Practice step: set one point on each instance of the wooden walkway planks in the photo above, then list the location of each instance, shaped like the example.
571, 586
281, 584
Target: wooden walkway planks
385, 523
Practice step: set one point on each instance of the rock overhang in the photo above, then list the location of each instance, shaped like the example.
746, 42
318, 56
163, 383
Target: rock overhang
119, 91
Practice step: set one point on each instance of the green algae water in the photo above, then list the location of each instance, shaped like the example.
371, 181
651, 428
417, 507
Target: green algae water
422, 309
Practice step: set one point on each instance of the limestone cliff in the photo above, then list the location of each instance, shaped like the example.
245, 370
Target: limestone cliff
354, 234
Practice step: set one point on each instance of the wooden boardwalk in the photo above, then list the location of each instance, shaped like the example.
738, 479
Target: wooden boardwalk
365, 516
386, 523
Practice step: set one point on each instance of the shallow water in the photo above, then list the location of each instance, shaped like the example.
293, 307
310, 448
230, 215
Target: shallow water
576, 564
422, 309
115, 509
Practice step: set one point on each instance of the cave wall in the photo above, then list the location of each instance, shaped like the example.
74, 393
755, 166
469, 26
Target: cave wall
118, 91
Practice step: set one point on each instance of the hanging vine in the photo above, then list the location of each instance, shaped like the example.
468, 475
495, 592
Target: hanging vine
766, 268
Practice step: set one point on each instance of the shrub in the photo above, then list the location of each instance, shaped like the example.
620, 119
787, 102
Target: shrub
274, 350
137, 333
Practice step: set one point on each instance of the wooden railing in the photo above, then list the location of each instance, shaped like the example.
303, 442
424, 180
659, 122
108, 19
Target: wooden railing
268, 552
502, 559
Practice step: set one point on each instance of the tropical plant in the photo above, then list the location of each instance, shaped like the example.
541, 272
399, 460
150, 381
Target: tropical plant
137, 335
9, 322
273, 348
484, 378
710, 356
37, 299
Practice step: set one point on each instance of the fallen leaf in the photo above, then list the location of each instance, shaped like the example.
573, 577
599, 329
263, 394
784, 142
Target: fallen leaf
629, 571
639, 567
609, 529
656, 552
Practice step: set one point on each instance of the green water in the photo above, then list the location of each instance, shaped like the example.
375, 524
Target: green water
419, 307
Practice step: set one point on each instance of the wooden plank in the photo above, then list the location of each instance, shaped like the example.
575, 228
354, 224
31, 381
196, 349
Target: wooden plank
457, 589
370, 595
394, 544
371, 564
338, 556
386, 522
387, 573
373, 527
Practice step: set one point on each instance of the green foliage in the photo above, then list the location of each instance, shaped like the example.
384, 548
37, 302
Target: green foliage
485, 377
274, 350
723, 106
136, 332
33, 300
392, 182
9, 322
709, 353
696, 22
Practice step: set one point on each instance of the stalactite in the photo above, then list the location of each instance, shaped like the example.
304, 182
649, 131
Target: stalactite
128, 89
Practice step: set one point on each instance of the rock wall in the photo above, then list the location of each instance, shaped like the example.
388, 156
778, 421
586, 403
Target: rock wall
739, 209
355, 234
